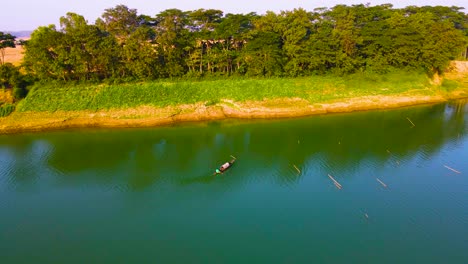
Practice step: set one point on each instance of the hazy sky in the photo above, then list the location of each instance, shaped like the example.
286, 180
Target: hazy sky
18, 15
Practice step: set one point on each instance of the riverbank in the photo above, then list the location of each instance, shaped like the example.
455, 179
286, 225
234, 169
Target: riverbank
55, 106
148, 116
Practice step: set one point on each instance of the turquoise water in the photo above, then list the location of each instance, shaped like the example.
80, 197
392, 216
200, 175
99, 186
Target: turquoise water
149, 196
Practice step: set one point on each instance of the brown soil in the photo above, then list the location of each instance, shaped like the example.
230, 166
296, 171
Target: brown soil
148, 116
458, 70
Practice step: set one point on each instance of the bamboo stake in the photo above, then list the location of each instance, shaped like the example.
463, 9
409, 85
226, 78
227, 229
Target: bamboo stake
411, 121
299, 171
383, 184
233, 157
337, 184
454, 170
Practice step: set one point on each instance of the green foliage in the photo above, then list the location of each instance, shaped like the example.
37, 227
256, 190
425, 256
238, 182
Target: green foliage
6, 109
19, 93
123, 45
8, 75
449, 85
12, 78
119, 21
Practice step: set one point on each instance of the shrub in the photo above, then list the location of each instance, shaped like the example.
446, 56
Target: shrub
6, 109
19, 93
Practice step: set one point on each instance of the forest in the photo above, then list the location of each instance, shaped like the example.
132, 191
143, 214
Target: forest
123, 45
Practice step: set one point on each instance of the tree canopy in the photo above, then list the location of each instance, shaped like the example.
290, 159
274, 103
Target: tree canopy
343, 39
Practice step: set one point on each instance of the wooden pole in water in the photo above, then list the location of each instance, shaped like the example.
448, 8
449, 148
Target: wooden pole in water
454, 170
299, 171
411, 121
337, 184
383, 184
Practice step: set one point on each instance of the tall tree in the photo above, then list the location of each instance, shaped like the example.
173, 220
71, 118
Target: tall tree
376, 40
42, 53
263, 54
172, 41
89, 51
139, 55
120, 21
201, 23
232, 34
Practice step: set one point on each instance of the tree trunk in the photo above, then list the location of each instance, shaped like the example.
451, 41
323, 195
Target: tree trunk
201, 59
2, 60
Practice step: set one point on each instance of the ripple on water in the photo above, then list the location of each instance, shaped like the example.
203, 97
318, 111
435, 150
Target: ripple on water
5, 173
22, 175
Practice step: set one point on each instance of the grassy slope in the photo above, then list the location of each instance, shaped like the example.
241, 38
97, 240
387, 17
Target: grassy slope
314, 89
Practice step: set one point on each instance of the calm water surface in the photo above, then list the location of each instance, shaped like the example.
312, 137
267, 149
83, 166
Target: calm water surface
148, 195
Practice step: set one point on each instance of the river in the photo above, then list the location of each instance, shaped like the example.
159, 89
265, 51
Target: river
148, 195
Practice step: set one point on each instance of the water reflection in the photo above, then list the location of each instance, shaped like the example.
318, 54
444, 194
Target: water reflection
188, 154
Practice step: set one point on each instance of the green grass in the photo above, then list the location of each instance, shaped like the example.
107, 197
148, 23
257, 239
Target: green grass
53, 97
6, 109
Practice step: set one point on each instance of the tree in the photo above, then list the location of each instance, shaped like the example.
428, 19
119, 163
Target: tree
8, 75
201, 24
322, 46
139, 55
376, 40
232, 34
172, 40
6, 41
203, 21
119, 21
12, 78
89, 53
42, 53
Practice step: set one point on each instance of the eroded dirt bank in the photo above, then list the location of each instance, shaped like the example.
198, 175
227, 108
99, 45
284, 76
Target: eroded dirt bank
148, 116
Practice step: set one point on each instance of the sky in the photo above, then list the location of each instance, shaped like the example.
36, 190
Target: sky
18, 15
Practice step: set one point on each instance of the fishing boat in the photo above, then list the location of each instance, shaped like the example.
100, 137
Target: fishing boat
225, 166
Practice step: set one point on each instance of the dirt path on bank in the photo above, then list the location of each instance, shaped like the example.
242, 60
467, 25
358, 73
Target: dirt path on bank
148, 116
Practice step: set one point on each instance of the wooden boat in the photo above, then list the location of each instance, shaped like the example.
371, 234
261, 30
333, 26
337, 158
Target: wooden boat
225, 166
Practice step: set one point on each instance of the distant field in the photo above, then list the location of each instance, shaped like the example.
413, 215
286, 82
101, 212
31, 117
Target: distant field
14, 55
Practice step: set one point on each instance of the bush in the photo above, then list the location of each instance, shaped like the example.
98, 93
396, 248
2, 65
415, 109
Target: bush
19, 93
6, 109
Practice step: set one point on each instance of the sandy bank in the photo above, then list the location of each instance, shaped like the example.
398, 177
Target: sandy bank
148, 116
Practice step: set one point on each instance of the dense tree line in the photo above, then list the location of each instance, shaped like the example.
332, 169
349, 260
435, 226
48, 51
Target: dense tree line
124, 45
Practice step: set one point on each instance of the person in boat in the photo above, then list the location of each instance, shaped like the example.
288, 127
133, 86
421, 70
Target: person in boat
224, 167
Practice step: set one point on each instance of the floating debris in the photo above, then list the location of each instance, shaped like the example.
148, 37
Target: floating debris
381, 182
367, 217
299, 171
411, 122
337, 184
454, 170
